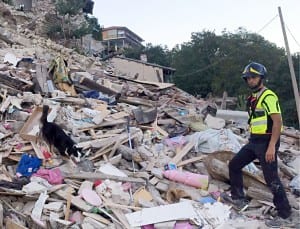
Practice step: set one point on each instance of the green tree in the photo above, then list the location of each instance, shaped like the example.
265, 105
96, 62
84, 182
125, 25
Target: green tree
155, 54
211, 63
67, 9
133, 52
214, 63
70, 28
94, 27
90, 26
9, 2
194, 63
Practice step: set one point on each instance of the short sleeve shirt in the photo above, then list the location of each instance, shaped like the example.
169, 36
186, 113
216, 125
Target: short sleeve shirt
271, 104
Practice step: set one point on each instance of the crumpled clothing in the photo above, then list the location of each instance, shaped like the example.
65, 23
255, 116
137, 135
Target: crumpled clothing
60, 74
17, 183
177, 141
28, 165
53, 176
111, 100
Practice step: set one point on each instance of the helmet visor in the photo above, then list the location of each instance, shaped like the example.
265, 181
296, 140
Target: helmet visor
250, 71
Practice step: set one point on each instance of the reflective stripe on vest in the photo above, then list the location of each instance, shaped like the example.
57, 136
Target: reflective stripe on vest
259, 120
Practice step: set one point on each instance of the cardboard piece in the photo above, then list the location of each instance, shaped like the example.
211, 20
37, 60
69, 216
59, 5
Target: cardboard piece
142, 194
109, 169
30, 130
183, 210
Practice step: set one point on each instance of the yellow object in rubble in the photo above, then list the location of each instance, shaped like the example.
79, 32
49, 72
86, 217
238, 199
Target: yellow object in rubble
60, 70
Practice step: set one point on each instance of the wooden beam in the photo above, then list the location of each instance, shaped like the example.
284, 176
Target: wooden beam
183, 152
191, 160
95, 176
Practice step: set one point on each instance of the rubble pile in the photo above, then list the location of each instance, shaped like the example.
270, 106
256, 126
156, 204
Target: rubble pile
153, 155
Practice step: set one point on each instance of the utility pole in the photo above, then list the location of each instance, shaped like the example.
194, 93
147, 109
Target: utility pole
292, 71
298, 55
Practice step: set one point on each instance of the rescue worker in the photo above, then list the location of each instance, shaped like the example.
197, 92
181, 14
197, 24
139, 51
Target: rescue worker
265, 124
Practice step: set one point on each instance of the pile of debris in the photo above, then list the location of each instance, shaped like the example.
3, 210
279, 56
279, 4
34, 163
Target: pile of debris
154, 156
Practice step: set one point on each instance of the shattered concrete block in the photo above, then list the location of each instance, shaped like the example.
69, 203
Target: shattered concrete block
34, 188
214, 123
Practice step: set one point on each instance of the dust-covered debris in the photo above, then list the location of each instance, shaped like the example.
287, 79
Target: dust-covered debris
142, 144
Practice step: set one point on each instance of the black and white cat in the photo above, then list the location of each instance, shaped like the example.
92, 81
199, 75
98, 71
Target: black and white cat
55, 136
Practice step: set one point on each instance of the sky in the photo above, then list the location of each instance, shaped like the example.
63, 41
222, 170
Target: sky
171, 22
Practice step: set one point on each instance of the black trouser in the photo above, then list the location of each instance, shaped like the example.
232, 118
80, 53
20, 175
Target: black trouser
256, 148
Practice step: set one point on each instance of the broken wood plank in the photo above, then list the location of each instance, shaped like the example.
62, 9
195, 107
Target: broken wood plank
76, 201
117, 212
120, 206
96, 143
95, 176
41, 76
107, 149
1, 214
37, 150
219, 170
36, 213
291, 134
119, 115
92, 85
223, 104
289, 171
159, 129
71, 100
157, 84
183, 152
175, 114
10, 224
120, 141
97, 217
191, 160
100, 153
15, 83
115, 147
69, 196
166, 121
10, 90
103, 124
136, 101
5, 104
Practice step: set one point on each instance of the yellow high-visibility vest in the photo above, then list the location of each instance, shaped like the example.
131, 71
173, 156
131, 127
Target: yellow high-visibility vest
260, 121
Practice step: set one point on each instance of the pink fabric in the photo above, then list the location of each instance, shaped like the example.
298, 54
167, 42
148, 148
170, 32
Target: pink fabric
183, 225
53, 176
177, 141
192, 179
